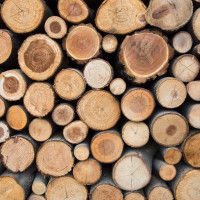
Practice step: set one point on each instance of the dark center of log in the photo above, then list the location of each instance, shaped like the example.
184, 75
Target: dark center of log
171, 130
1, 132
138, 104
82, 43
74, 133
11, 84
62, 114
106, 147
75, 9
161, 12
55, 27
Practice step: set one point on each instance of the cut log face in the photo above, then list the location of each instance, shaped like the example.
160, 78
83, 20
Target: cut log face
194, 115
74, 11
82, 43
64, 188
172, 156
39, 184
107, 147
134, 196
195, 23
168, 15
98, 73
99, 109
2, 107
109, 43
81, 152
17, 16
12, 85
75, 132
117, 86
4, 131
54, 158
55, 27
39, 57
193, 89
36, 197
135, 134
137, 104
160, 193
69, 84
144, 55
39, 99
119, 17
17, 154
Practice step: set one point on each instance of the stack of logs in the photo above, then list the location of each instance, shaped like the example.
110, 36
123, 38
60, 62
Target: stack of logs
100, 100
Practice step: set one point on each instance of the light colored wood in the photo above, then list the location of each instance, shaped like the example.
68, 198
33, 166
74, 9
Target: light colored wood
195, 23
69, 84
135, 134
4, 131
82, 43
55, 27
39, 185
120, 17
39, 57
186, 67
39, 99
193, 89
35, 197
3, 107
193, 115
103, 104
74, 11
134, 196
64, 188
98, 73
107, 146
82, 151
117, 86
196, 51
63, 114
168, 15
75, 132
109, 43
137, 104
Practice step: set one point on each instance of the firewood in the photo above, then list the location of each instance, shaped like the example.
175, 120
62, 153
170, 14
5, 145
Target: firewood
193, 90
103, 104
4, 131
109, 43
195, 24
196, 51
98, 73
3, 107
117, 86
2, 168
39, 185
107, 146
135, 195
82, 151
55, 27
35, 197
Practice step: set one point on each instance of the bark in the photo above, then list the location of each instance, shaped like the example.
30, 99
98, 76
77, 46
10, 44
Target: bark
117, 86
196, 51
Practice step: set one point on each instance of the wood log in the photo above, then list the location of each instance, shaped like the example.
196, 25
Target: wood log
55, 27
168, 128
195, 24
144, 55
39, 57
75, 132
64, 188
118, 17
39, 185
185, 67
4, 131
2, 168
137, 104
168, 15
133, 170
158, 189
74, 11
12, 85
82, 151
103, 104
193, 90
69, 84
98, 73
135, 195
182, 42
170, 92
3, 107
82, 43
24, 17
18, 153
196, 51
17, 117
39, 99
109, 43
35, 197
63, 114
107, 146
117, 86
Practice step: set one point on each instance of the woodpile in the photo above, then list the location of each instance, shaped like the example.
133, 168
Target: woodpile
99, 100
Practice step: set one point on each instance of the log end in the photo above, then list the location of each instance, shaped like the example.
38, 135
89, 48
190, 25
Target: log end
167, 172
109, 43
117, 86
173, 156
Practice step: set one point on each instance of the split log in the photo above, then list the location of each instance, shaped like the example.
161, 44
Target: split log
117, 17
82, 151
69, 84
39, 57
3, 107
55, 27
64, 188
75, 132
196, 51
35, 197
63, 114
135, 134
133, 170
144, 55
98, 73
170, 92
4, 131
107, 146
39, 99
117, 86
39, 185
18, 153
168, 128
82, 43
137, 104
193, 90
135, 195
109, 43
158, 189
168, 15
182, 42
195, 24
12, 85
74, 11
185, 67
103, 104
